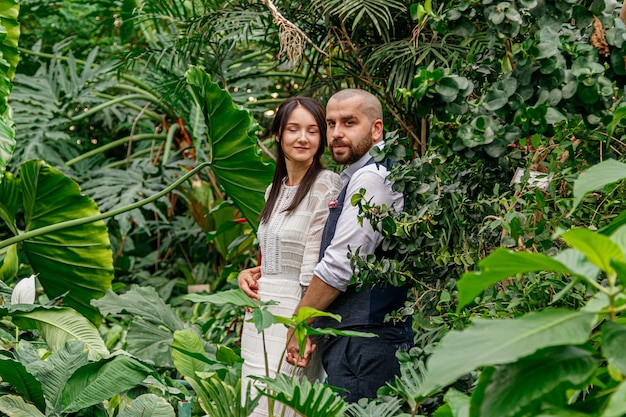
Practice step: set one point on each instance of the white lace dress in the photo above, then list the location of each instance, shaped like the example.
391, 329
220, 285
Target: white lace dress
290, 247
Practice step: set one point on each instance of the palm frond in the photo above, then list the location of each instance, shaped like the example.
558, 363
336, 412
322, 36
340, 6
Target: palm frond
225, 399
307, 399
388, 407
116, 188
408, 385
380, 14
43, 104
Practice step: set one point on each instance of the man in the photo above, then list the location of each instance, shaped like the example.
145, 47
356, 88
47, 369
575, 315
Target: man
359, 365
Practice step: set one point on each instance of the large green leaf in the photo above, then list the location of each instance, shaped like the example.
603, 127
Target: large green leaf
15, 374
459, 403
618, 115
58, 325
99, 381
233, 296
151, 331
507, 390
9, 12
148, 405
142, 302
613, 342
10, 201
502, 264
14, 406
75, 260
231, 148
187, 365
149, 341
493, 342
617, 402
597, 248
9, 56
54, 372
596, 177
7, 140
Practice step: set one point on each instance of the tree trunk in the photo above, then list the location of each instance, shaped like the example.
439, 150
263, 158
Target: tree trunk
622, 13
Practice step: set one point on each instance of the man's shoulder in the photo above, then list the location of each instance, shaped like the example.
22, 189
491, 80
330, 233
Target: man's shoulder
370, 171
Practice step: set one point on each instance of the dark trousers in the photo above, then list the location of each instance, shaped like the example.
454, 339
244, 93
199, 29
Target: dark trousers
362, 365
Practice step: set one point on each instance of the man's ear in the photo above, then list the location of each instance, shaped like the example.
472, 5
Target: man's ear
377, 130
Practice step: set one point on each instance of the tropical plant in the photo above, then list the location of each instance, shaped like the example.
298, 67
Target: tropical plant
297, 393
66, 367
554, 361
8, 49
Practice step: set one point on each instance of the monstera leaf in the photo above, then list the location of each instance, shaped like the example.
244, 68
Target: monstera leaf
230, 146
77, 261
9, 35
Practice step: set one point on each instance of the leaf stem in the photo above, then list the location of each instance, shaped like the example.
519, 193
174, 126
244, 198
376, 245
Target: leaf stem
78, 222
113, 144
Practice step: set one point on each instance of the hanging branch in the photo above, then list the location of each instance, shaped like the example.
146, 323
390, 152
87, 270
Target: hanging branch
292, 39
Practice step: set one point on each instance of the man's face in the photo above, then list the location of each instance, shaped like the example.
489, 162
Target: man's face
349, 130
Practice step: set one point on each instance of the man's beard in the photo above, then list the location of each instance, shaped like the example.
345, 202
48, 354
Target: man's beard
354, 153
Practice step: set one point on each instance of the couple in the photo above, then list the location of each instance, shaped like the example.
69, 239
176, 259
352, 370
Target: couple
308, 227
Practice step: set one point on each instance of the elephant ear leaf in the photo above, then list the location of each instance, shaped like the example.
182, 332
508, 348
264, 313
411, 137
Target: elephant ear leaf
76, 260
15, 406
233, 151
148, 405
15, 374
9, 56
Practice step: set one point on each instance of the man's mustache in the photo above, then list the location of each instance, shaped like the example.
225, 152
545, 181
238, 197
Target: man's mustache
338, 142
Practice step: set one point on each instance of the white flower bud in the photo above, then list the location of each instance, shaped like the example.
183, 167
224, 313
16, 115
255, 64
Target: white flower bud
24, 291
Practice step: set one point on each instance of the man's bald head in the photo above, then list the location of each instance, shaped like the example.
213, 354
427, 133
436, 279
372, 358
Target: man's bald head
369, 105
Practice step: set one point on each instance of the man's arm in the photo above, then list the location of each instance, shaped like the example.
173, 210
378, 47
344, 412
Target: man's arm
319, 295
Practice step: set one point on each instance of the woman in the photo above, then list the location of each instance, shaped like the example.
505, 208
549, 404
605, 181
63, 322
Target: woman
289, 235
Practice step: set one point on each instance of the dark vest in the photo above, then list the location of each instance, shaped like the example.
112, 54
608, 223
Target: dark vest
369, 305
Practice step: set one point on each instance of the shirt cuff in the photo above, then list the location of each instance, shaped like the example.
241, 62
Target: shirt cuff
323, 272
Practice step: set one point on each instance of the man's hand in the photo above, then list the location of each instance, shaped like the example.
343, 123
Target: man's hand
293, 350
247, 281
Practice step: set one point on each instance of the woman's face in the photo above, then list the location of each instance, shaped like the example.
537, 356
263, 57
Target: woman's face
301, 137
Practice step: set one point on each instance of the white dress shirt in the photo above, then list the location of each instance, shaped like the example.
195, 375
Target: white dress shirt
334, 268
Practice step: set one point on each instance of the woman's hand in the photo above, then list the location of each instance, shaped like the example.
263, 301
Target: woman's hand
247, 281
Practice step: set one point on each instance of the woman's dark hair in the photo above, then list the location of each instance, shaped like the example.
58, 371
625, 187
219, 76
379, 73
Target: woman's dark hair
278, 125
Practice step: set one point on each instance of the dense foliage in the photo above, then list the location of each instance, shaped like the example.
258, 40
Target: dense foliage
134, 155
